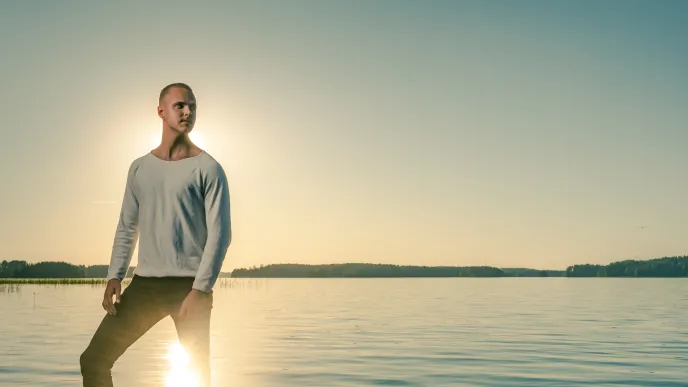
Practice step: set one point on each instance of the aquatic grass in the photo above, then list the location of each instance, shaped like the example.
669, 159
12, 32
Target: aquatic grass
9, 288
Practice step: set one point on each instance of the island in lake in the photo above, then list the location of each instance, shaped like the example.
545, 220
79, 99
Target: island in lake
658, 267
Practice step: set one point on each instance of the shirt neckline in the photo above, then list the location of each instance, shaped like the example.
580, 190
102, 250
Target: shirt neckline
176, 161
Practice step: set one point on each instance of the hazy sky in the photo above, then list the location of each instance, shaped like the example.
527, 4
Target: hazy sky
514, 133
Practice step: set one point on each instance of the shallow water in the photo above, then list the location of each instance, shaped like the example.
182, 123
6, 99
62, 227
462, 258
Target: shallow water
372, 332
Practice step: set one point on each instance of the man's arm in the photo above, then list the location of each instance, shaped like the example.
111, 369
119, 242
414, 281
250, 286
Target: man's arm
127, 232
218, 221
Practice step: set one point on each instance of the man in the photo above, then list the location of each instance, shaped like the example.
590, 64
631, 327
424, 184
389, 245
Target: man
176, 204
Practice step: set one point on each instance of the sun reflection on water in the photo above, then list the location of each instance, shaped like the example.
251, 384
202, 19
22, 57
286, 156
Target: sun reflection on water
180, 373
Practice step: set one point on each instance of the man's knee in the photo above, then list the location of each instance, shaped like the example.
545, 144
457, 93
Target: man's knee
92, 363
84, 361
87, 362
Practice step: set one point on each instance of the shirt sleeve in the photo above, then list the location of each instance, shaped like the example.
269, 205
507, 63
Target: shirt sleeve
127, 232
218, 223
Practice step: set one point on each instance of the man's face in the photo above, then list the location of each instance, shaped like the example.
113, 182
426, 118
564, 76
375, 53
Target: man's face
178, 109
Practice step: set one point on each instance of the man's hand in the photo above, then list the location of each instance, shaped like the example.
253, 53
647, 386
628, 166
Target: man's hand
113, 288
194, 303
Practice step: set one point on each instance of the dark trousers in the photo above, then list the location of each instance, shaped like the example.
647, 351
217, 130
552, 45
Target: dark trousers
143, 303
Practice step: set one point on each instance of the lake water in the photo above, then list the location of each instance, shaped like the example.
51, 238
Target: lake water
378, 332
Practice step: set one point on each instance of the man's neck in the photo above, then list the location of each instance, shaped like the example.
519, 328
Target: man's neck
174, 146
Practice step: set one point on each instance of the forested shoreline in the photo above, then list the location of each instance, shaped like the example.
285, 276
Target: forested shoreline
657, 267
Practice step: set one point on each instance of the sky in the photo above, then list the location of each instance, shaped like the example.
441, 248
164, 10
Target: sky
505, 133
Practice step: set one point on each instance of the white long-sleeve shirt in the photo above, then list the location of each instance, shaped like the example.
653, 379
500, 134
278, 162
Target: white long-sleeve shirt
180, 214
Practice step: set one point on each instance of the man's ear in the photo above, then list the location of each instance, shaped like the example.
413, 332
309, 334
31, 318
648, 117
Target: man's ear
160, 112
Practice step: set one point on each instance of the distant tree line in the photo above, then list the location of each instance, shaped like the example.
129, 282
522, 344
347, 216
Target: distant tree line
52, 269
658, 267
57, 269
363, 270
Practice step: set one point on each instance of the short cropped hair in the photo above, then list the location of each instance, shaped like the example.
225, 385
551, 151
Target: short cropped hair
167, 88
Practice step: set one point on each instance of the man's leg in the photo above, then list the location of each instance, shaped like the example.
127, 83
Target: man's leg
194, 336
137, 312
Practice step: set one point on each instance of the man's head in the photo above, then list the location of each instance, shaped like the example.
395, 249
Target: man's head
177, 107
